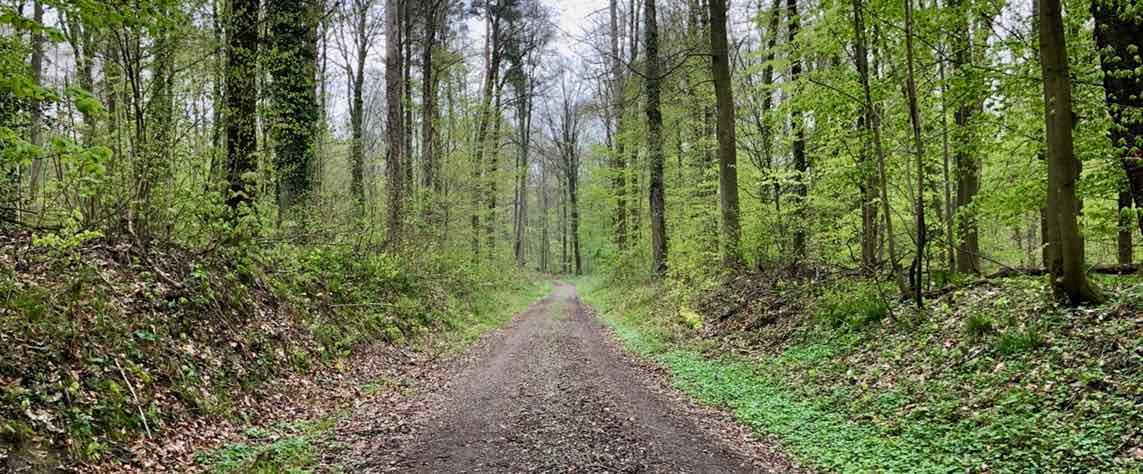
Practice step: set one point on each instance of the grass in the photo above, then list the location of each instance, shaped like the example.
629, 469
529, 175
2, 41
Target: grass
1041, 390
282, 448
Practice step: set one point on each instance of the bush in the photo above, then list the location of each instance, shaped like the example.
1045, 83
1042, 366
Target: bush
854, 307
1015, 340
978, 325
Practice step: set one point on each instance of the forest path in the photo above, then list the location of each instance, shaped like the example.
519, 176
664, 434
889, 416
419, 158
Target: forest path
549, 392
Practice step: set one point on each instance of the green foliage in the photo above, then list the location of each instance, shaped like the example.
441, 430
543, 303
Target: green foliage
918, 398
1016, 340
852, 306
978, 325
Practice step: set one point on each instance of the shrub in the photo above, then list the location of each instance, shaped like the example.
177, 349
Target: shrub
856, 307
978, 325
1015, 340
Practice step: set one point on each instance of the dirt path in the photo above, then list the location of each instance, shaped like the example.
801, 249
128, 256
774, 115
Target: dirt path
548, 393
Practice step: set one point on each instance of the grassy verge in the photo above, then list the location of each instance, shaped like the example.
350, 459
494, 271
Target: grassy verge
995, 382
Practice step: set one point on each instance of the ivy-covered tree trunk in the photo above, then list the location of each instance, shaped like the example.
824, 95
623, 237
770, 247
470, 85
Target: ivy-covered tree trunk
293, 37
1069, 278
1119, 37
241, 102
655, 143
619, 163
727, 153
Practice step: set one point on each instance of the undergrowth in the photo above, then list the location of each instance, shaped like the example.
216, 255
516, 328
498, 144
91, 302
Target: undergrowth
105, 343
989, 379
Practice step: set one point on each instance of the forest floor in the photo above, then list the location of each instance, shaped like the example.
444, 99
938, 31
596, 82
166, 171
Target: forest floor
550, 391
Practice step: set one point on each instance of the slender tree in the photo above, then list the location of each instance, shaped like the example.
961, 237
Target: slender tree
915, 270
801, 166
655, 141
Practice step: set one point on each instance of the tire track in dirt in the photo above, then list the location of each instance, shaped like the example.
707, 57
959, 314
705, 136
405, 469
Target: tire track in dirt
551, 392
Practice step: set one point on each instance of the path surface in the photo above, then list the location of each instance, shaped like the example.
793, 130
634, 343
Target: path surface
551, 392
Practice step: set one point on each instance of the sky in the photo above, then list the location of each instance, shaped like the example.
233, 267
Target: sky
574, 15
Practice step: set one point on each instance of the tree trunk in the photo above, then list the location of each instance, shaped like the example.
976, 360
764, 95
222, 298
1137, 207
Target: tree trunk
241, 103
357, 104
1123, 240
801, 167
293, 34
915, 270
1118, 29
35, 125
655, 143
869, 180
394, 122
727, 154
873, 121
437, 11
619, 165
1069, 279
965, 156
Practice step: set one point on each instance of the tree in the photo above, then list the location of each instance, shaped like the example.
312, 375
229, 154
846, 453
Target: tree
293, 37
801, 166
727, 155
915, 270
394, 124
655, 142
872, 122
1069, 277
241, 101
619, 165
359, 22
1118, 29
965, 155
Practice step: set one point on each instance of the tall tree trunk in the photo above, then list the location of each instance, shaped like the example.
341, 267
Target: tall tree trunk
967, 161
545, 240
801, 166
873, 121
766, 121
394, 121
727, 154
429, 83
655, 143
293, 37
1069, 279
619, 166
241, 102
36, 119
361, 43
1118, 29
492, 175
915, 270
491, 79
869, 180
407, 164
